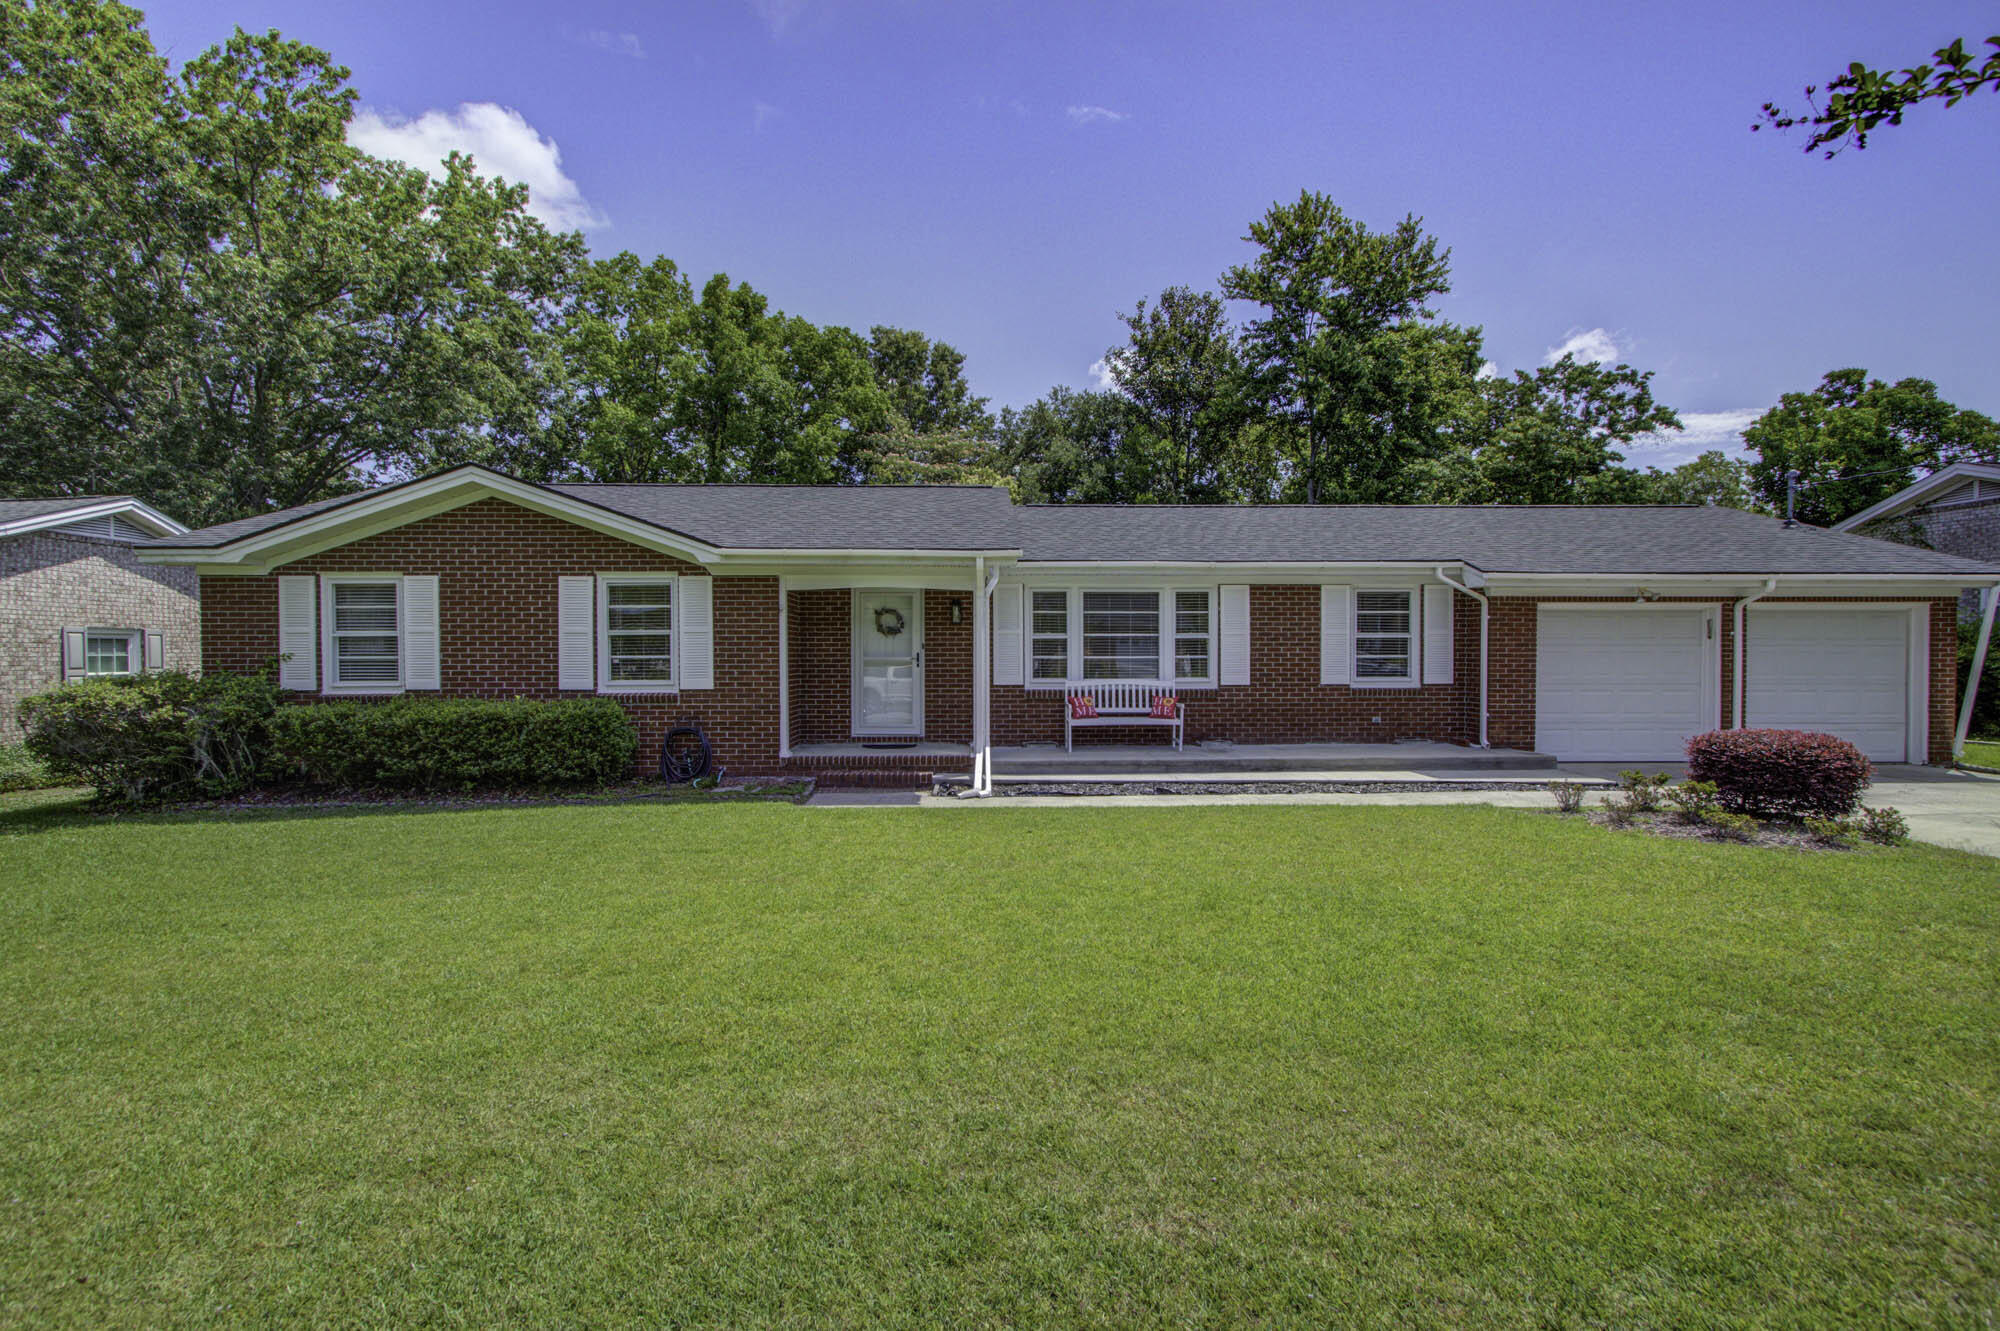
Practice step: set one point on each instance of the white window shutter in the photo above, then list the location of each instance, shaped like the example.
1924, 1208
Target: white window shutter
156, 655
420, 633
1007, 633
1437, 635
298, 634
1234, 634
1335, 642
72, 654
696, 597
576, 632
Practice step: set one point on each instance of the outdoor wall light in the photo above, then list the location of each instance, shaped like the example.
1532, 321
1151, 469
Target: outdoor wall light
957, 611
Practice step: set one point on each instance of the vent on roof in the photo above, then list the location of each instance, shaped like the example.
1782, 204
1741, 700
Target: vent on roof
109, 527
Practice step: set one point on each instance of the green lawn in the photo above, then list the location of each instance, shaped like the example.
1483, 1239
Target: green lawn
762, 1065
1983, 753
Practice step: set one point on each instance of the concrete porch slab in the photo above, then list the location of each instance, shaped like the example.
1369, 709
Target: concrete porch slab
1267, 762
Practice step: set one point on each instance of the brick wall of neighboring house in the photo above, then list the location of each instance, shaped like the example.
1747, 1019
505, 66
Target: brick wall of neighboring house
1284, 701
497, 566
1969, 530
1511, 722
50, 581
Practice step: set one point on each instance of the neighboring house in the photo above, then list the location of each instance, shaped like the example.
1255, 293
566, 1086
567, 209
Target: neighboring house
807, 628
75, 601
1955, 511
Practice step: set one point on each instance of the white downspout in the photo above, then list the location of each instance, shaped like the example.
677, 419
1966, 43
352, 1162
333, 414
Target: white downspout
1992, 599
983, 673
1741, 648
1485, 670
784, 674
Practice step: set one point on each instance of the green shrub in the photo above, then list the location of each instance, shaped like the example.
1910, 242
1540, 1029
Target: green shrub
1617, 811
1569, 795
1731, 826
21, 770
1832, 831
1884, 826
1642, 792
1692, 799
1780, 773
453, 744
166, 734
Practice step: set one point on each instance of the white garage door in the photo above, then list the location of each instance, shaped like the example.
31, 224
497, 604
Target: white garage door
1622, 685
1846, 672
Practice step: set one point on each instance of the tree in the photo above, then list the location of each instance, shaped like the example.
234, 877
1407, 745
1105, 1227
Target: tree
1181, 372
1862, 99
1073, 448
925, 383
1713, 478
208, 298
626, 349
899, 456
1550, 437
1856, 440
1333, 345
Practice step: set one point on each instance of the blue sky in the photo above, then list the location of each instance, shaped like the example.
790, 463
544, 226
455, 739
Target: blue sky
1007, 177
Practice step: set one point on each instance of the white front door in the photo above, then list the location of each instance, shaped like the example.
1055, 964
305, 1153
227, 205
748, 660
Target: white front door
888, 663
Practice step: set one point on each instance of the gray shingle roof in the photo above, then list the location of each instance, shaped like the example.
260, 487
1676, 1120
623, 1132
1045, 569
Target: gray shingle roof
13, 510
1525, 538
1497, 539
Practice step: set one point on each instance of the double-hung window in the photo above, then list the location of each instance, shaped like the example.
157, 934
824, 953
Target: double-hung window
1121, 635
637, 647
364, 633
1048, 634
1194, 635
110, 652
1384, 638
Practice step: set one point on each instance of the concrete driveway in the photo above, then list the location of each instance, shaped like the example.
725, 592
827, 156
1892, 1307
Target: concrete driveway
1946, 808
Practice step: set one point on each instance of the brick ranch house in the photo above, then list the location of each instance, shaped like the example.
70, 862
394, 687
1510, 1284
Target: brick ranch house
845, 630
75, 601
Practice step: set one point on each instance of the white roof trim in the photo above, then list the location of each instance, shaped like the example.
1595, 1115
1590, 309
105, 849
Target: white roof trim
1915, 493
139, 512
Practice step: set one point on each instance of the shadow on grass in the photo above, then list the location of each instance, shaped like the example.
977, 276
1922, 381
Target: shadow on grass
29, 812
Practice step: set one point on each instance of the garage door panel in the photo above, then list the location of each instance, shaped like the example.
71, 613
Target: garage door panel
1843, 671
1621, 685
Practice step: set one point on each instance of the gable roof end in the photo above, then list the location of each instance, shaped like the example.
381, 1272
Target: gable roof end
1914, 494
21, 516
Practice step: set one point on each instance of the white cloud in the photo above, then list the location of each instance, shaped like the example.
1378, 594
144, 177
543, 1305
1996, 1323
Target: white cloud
1700, 432
762, 114
500, 142
1488, 370
778, 16
1100, 376
1092, 115
618, 43
1597, 345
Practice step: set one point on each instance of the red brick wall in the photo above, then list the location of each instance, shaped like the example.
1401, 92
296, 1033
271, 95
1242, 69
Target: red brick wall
497, 566
1284, 701
1512, 719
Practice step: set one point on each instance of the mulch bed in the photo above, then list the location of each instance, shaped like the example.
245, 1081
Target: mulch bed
796, 791
1780, 832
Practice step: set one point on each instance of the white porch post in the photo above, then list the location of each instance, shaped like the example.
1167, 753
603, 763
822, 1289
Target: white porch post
1965, 704
982, 683
784, 671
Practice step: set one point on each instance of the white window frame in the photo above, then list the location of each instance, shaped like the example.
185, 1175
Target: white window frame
135, 653
1068, 598
606, 684
1413, 598
1160, 638
1164, 671
329, 658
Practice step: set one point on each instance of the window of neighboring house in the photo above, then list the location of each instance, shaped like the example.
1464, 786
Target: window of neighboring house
638, 633
1194, 638
1048, 633
365, 635
110, 652
1121, 635
1384, 646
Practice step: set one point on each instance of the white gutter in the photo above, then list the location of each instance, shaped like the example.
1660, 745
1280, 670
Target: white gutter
1485, 667
1992, 599
1741, 650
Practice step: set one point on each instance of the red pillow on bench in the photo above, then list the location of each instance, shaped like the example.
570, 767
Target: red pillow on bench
1166, 706
1082, 707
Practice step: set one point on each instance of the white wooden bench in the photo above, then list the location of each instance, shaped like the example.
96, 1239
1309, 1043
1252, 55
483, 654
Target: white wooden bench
1119, 702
